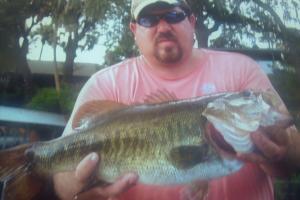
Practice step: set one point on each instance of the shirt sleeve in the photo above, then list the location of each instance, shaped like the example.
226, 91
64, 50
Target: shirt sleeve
98, 87
256, 79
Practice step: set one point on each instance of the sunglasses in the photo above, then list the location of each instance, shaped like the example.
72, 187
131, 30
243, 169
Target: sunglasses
172, 17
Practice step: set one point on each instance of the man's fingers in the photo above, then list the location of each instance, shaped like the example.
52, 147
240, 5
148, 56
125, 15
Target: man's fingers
194, 191
87, 167
121, 185
113, 190
270, 150
82, 177
277, 131
68, 184
251, 157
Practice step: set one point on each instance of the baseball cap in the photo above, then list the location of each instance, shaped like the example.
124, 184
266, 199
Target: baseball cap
138, 5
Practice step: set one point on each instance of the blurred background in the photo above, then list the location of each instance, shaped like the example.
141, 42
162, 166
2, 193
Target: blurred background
48, 49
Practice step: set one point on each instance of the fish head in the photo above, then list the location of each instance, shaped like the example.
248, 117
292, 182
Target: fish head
236, 115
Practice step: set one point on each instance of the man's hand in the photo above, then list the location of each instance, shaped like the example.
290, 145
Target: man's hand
278, 150
69, 185
196, 190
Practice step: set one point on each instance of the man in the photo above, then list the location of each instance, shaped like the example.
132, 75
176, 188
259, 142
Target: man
168, 68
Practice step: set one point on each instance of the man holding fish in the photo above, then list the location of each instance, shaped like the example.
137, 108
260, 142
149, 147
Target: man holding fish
168, 69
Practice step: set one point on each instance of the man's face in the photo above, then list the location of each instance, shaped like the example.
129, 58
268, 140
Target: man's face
165, 42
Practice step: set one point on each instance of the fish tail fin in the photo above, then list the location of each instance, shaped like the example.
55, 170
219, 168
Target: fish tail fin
12, 159
19, 182
23, 185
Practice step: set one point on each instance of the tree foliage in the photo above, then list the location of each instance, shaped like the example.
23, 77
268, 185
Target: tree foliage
273, 24
17, 18
287, 83
77, 21
47, 99
119, 39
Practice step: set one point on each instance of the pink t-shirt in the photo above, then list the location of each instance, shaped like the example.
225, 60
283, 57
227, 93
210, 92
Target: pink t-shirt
132, 81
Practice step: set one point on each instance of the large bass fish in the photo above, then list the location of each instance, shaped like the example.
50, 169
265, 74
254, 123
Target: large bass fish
165, 143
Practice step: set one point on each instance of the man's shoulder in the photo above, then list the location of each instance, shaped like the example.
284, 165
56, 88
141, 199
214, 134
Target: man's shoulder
226, 54
229, 60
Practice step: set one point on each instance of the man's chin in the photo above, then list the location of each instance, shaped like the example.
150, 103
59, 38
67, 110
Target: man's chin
168, 60
168, 57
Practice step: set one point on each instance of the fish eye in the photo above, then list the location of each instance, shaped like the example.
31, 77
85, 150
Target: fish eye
29, 153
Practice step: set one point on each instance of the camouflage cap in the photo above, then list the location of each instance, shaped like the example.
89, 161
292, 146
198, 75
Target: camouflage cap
138, 5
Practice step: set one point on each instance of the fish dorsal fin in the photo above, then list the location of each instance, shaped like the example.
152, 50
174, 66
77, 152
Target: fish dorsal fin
185, 157
94, 108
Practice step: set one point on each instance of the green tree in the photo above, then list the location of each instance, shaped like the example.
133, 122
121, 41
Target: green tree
47, 99
79, 20
250, 24
286, 82
119, 39
17, 18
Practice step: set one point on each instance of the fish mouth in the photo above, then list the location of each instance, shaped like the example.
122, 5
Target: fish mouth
218, 141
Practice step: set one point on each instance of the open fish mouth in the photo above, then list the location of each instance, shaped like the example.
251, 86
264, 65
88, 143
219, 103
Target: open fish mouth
218, 141
235, 116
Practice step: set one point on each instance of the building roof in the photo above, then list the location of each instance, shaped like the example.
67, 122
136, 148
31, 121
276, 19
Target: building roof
47, 67
26, 116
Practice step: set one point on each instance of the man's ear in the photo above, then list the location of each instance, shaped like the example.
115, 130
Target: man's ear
132, 27
192, 20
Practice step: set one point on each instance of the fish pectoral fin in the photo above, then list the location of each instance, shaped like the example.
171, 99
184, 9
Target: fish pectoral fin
91, 109
185, 157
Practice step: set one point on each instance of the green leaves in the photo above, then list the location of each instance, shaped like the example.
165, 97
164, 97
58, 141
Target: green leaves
47, 99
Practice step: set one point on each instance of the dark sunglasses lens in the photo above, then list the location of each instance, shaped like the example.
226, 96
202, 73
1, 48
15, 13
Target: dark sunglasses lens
148, 21
170, 17
174, 17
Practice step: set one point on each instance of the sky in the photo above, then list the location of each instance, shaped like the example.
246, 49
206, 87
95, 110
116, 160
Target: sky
96, 55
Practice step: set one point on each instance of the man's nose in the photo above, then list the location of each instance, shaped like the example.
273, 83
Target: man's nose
163, 26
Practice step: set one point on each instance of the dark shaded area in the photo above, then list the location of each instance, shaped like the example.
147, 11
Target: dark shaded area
14, 91
288, 189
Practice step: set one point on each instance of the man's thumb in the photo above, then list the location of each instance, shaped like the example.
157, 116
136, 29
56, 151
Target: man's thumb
87, 167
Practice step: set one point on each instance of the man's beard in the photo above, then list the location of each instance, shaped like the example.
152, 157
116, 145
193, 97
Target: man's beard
170, 54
